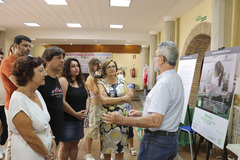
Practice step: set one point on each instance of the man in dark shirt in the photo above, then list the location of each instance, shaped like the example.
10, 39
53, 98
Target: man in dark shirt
51, 91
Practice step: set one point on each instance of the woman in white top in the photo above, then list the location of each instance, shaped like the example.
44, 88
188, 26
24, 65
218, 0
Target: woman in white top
28, 115
95, 69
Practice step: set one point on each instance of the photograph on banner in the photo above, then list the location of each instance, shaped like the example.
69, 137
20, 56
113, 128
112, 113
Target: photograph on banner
218, 78
85, 57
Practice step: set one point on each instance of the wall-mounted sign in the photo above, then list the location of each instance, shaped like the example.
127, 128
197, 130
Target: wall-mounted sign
85, 57
198, 18
203, 18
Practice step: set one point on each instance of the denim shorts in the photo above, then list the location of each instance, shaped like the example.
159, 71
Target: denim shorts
156, 147
72, 131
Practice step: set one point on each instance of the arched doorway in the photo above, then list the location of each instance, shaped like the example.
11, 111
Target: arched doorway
197, 42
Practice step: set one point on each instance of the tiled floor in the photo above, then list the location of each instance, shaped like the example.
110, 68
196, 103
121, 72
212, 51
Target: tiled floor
184, 151
96, 149
96, 145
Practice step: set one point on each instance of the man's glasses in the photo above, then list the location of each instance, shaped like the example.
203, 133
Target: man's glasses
159, 56
156, 56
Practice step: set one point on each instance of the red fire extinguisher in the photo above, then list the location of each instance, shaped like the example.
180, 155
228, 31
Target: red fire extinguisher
132, 72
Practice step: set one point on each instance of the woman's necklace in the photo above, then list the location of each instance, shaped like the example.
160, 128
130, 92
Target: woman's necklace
111, 80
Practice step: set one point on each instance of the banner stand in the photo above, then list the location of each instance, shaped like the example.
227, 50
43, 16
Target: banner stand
209, 148
199, 144
224, 156
190, 122
186, 70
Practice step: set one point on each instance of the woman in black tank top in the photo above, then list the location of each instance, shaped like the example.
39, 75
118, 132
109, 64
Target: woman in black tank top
74, 99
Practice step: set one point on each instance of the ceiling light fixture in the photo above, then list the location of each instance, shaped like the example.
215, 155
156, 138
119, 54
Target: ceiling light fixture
56, 2
77, 25
120, 3
116, 26
1, 1
32, 24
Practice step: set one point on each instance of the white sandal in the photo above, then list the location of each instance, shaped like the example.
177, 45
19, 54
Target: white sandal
133, 151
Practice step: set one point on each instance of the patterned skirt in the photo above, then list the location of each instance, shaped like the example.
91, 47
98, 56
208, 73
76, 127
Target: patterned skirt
114, 137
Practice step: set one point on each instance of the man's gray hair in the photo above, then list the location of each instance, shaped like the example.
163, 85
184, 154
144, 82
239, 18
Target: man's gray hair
169, 50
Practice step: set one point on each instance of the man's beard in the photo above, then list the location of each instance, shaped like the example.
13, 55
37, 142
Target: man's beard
157, 68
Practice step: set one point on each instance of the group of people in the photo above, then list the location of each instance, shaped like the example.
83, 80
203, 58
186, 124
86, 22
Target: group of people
47, 100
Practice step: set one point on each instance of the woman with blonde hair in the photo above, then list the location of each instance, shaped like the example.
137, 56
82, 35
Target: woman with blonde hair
95, 67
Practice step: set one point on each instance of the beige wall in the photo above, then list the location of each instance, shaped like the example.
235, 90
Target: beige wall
236, 23
123, 60
38, 50
127, 62
188, 22
8, 44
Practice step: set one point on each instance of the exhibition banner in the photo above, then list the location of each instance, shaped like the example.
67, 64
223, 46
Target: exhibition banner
218, 79
85, 57
186, 70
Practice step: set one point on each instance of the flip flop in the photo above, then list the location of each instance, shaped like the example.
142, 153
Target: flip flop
133, 151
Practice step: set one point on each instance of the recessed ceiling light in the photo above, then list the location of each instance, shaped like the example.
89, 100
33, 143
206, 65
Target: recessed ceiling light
120, 3
128, 41
74, 25
32, 24
56, 2
1, 1
116, 26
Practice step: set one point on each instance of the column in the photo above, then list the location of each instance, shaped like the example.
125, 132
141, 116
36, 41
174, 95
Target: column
153, 48
32, 50
145, 60
169, 28
221, 24
2, 40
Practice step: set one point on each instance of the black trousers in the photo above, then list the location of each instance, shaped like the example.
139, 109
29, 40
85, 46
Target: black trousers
4, 134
